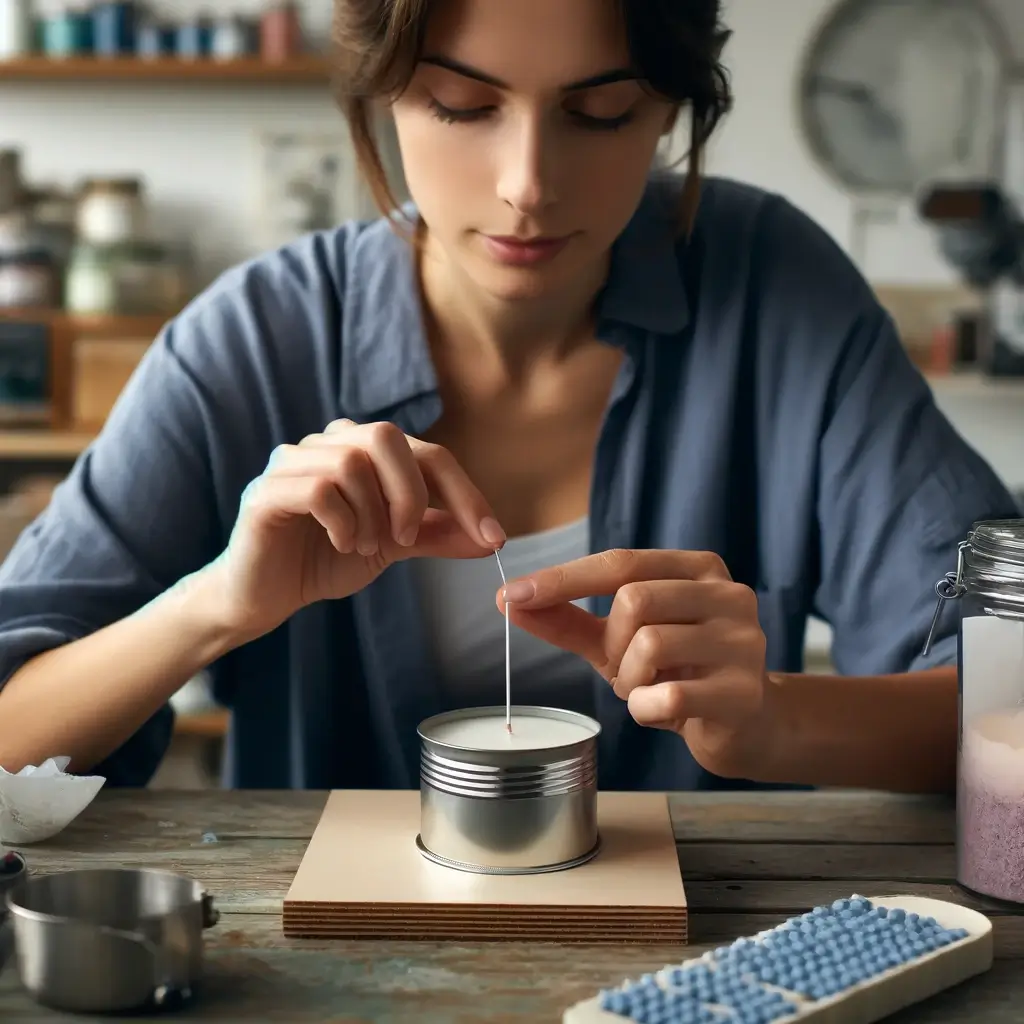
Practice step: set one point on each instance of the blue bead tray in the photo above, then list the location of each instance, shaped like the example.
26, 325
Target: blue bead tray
853, 962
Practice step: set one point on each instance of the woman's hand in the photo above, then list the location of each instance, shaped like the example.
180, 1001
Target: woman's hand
682, 645
330, 514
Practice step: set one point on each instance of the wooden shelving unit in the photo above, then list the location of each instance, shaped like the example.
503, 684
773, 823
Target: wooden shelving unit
64, 439
210, 725
42, 444
250, 71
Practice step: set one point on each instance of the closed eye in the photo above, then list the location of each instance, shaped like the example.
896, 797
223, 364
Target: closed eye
601, 124
452, 115
464, 115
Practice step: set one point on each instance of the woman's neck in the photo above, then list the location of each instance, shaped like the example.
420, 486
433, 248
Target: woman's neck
509, 338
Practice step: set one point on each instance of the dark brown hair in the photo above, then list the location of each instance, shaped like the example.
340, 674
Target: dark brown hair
675, 47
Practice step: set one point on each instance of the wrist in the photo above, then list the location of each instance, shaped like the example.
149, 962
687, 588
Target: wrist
776, 735
207, 614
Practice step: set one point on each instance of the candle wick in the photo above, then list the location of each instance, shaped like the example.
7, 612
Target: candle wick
508, 659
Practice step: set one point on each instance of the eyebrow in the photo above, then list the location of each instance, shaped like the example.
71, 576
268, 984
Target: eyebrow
604, 78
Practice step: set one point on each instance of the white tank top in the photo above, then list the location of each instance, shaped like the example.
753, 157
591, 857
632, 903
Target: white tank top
467, 630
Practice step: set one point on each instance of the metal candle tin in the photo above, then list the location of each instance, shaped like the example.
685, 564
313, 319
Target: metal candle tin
508, 811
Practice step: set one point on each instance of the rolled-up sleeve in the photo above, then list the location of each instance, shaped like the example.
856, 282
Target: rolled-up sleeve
899, 488
134, 516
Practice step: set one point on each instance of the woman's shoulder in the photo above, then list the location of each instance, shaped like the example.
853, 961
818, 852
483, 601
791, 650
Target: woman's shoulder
314, 270
756, 250
296, 300
784, 252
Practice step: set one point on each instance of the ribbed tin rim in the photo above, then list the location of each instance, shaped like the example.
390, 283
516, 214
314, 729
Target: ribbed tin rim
459, 778
487, 869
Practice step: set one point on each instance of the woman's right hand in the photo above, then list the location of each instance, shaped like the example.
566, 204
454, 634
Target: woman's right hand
327, 516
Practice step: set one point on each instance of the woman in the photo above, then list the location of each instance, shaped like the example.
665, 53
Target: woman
676, 405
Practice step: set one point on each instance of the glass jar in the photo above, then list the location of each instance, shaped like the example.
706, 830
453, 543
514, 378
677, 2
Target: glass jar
110, 211
990, 771
90, 285
27, 280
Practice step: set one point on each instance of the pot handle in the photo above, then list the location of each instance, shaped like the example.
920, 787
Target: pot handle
6, 941
211, 914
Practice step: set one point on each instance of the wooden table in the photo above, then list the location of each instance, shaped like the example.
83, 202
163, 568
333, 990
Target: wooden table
749, 862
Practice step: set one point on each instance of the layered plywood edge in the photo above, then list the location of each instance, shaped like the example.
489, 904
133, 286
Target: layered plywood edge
362, 877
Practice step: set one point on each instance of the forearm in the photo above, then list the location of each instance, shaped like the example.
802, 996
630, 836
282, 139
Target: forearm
85, 698
895, 733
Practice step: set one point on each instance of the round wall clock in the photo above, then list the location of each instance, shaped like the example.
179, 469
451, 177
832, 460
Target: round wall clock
894, 92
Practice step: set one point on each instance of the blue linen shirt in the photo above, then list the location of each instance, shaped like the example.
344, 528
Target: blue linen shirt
765, 410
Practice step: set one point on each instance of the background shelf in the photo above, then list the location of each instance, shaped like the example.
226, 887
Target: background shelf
305, 70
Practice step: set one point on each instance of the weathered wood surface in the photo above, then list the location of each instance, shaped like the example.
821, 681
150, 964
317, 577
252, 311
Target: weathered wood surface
749, 862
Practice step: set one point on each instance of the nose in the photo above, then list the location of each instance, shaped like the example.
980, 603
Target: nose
526, 166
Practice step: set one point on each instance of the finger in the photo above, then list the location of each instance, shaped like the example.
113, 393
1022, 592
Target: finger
275, 498
458, 493
566, 626
656, 650
441, 536
607, 571
442, 475
352, 471
400, 476
357, 481
658, 602
723, 697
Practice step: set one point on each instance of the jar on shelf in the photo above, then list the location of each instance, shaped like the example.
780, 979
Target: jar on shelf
989, 583
149, 40
12, 187
90, 283
113, 27
230, 39
110, 211
28, 280
149, 279
280, 33
195, 36
67, 31
16, 29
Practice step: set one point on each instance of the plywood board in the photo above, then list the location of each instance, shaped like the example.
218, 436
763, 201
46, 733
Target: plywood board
362, 876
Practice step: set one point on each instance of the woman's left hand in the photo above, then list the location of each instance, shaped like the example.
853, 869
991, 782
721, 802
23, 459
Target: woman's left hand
682, 645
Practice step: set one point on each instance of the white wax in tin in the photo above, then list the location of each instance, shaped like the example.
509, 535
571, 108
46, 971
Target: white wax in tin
529, 732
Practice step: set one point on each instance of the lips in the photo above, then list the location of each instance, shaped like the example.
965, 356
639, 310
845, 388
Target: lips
515, 250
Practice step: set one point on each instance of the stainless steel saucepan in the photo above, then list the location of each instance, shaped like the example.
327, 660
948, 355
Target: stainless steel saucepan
107, 940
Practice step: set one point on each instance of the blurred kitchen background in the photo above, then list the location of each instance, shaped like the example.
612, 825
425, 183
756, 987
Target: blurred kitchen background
145, 148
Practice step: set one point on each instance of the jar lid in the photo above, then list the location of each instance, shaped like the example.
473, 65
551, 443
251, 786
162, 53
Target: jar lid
116, 186
995, 554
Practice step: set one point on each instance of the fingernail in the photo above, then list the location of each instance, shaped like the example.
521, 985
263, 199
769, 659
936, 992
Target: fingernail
491, 531
408, 537
367, 548
521, 590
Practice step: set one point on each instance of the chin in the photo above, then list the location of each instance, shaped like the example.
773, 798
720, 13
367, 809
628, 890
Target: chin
517, 285
520, 284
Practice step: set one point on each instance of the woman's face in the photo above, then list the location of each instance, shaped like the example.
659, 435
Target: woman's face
523, 123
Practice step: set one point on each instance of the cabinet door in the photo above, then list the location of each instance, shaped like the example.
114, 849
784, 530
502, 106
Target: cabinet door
100, 369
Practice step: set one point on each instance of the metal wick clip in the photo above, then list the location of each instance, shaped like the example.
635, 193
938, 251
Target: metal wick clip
949, 588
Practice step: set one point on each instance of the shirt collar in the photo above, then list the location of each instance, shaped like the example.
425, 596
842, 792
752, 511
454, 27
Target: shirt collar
385, 360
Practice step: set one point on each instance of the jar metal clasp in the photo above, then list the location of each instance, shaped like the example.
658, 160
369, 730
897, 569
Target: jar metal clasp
949, 588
